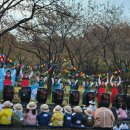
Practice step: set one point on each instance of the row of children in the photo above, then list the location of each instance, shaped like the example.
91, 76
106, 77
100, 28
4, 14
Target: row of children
77, 117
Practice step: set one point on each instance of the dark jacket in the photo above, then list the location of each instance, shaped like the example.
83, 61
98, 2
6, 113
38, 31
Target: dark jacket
44, 118
67, 120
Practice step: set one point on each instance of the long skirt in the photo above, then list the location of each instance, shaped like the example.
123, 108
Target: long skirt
114, 91
8, 93
100, 91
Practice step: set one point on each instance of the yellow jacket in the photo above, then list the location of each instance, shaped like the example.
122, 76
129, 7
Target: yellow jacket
57, 119
5, 116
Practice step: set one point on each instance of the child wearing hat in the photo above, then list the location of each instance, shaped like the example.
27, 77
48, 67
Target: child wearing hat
30, 118
6, 113
67, 116
57, 117
77, 117
17, 118
44, 116
88, 118
92, 105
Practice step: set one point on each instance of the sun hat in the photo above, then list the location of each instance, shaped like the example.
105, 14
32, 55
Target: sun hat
18, 107
7, 104
77, 109
68, 109
92, 102
58, 108
31, 106
44, 108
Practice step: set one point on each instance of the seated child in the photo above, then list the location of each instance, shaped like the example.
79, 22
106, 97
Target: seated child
88, 118
122, 114
17, 118
77, 117
57, 117
6, 113
67, 116
44, 116
30, 118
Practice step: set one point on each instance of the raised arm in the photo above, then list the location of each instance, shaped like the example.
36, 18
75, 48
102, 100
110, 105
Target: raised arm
111, 82
21, 73
106, 83
99, 80
76, 81
14, 72
52, 79
119, 81
69, 82
31, 74
3, 71
83, 83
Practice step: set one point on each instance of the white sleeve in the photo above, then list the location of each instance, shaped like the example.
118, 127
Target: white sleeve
52, 79
59, 81
21, 73
119, 81
99, 81
45, 79
38, 79
30, 74
3, 71
111, 81
91, 84
69, 82
76, 81
83, 83
106, 83
14, 73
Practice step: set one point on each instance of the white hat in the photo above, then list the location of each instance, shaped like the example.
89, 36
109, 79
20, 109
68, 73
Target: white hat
88, 111
7, 104
77, 109
31, 106
68, 109
18, 107
58, 108
92, 102
44, 108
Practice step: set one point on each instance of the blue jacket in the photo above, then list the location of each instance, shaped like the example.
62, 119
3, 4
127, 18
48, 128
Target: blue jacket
77, 119
44, 118
67, 120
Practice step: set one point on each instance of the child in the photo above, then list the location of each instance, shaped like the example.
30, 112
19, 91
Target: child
92, 106
44, 117
57, 117
6, 113
77, 117
31, 115
122, 114
17, 118
88, 118
67, 116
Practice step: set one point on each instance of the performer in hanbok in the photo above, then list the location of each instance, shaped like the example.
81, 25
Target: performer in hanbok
25, 92
114, 85
8, 91
87, 86
102, 85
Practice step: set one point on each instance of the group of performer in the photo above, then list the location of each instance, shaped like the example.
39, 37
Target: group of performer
57, 86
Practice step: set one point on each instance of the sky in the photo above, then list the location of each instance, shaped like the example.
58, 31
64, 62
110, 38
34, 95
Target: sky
124, 3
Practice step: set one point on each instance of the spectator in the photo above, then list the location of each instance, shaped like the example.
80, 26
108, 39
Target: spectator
92, 106
17, 118
113, 109
44, 117
88, 118
104, 118
122, 114
67, 116
57, 117
31, 115
6, 113
77, 117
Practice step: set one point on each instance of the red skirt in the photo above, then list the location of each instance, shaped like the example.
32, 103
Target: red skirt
25, 83
114, 91
7, 82
100, 91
